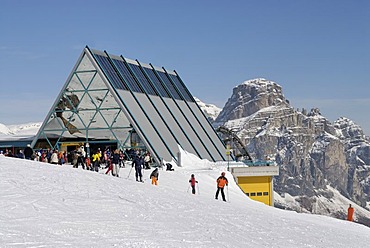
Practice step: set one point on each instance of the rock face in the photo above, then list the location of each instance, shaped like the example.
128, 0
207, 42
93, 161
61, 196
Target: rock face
313, 154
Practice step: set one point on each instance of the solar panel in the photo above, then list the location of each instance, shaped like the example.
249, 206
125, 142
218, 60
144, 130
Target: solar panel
125, 73
184, 92
157, 84
169, 85
143, 80
110, 72
167, 121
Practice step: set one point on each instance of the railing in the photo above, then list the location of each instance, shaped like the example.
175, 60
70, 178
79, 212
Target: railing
246, 163
260, 163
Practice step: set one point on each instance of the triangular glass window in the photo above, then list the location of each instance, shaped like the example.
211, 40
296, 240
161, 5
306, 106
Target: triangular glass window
109, 102
97, 98
86, 78
121, 120
85, 64
98, 121
97, 83
54, 123
75, 84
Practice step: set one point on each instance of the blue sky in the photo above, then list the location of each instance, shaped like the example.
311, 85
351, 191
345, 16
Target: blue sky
318, 51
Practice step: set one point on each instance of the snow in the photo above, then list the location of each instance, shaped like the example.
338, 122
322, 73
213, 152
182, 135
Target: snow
46, 205
324, 205
260, 82
19, 131
4, 130
210, 110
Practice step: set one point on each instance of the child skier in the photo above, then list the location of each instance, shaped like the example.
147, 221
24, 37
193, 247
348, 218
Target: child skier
154, 176
192, 182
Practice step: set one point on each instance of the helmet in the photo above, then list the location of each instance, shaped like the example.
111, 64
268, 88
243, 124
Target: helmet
223, 174
192, 175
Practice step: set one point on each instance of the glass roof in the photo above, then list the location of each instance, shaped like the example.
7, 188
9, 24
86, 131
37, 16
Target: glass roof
108, 97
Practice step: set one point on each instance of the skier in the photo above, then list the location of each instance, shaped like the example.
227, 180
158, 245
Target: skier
169, 167
28, 152
138, 163
109, 166
192, 182
81, 157
121, 159
96, 160
147, 161
154, 176
88, 163
221, 182
115, 160
350, 213
54, 157
74, 158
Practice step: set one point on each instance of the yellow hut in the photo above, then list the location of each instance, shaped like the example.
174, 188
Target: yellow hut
256, 182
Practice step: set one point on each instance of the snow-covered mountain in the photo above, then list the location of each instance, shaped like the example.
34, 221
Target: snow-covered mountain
211, 110
19, 131
46, 205
4, 130
312, 152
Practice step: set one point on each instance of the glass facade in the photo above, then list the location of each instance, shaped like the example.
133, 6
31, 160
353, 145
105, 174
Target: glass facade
110, 99
86, 111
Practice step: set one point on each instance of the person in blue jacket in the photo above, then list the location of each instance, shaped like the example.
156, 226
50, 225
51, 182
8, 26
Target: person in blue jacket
138, 163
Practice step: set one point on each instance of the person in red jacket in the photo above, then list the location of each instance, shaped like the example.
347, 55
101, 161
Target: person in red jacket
192, 182
221, 182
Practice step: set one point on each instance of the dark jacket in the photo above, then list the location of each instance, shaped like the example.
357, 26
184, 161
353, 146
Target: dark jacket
28, 152
138, 163
115, 158
155, 174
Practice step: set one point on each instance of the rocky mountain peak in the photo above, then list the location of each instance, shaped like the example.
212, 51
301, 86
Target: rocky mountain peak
251, 96
314, 112
311, 151
347, 129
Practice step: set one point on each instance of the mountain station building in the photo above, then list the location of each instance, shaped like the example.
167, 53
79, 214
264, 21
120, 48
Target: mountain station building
109, 100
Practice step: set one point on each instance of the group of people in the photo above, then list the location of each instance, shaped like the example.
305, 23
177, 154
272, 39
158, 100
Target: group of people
138, 165
116, 160
42, 155
221, 183
113, 162
142, 162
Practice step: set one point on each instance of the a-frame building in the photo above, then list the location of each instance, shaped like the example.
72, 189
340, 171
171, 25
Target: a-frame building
112, 99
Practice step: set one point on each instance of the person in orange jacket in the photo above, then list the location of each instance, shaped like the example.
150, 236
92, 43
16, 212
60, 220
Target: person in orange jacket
351, 210
221, 182
154, 176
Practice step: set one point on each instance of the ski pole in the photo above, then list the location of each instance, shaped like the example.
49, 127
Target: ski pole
129, 173
188, 189
198, 189
227, 191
